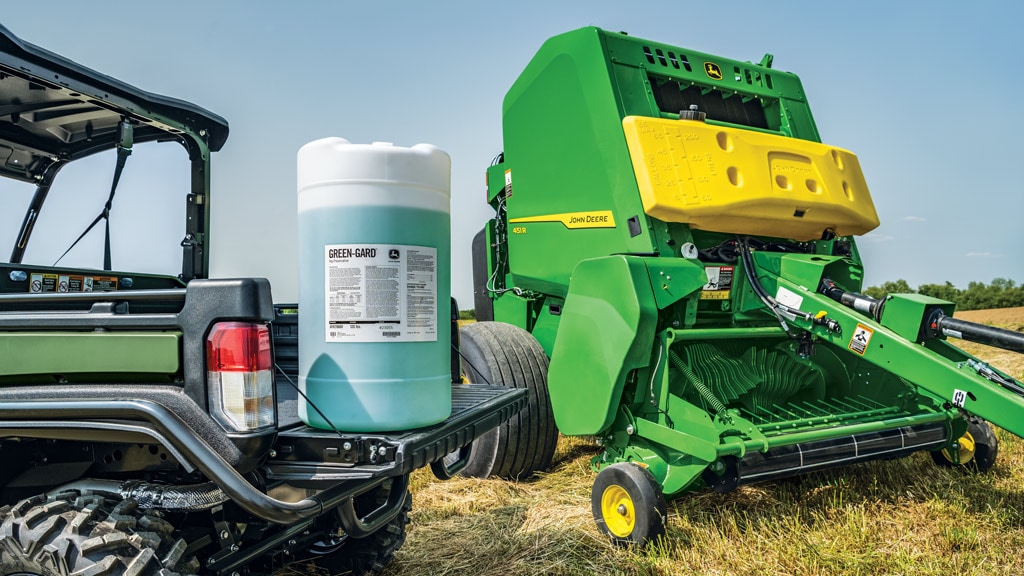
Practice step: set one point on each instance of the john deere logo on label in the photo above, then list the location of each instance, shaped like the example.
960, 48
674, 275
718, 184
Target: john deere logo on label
712, 70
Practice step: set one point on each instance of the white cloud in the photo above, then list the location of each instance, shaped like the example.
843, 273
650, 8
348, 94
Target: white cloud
981, 255
879, 238
915, 219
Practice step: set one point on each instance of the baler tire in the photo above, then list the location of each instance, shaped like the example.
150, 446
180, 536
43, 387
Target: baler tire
91, 533
628, 505
985, 448
372, 554
506, 355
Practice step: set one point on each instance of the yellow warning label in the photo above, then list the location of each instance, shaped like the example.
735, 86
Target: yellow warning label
593, 219
719, 283
861, 338
712, 70
714, 295
43, 283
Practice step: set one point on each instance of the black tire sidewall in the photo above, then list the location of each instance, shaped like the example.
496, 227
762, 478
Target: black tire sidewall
986, 446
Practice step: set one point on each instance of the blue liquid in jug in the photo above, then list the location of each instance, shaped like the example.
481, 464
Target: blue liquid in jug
371, 386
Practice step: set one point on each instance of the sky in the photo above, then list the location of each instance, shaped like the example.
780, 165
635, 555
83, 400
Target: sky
927, 94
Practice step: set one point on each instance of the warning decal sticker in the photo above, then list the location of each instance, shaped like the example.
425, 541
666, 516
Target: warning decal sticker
380, 293
861, 338
719, 283
41, 283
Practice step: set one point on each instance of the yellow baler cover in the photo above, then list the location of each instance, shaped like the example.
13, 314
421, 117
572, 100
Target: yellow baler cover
745, 182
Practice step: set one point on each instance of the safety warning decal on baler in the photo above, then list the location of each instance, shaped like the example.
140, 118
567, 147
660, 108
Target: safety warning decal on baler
719, 283
861, 338
380, 293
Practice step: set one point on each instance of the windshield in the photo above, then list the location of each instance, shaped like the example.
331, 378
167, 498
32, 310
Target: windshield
147, 216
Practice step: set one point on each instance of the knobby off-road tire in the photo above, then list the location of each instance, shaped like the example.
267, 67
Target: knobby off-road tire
506, 355
370, 555
91, 534
978, 448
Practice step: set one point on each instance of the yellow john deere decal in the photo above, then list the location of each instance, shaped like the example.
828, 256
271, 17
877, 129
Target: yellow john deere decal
712, 70
594, 219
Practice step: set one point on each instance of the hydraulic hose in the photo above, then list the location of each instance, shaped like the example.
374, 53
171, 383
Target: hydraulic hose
781, 311
164, 497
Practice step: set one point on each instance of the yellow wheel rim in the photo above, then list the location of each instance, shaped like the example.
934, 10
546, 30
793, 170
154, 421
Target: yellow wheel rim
965, 451
617, 511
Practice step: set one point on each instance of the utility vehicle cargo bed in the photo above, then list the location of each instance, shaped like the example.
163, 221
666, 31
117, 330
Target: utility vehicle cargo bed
303, 453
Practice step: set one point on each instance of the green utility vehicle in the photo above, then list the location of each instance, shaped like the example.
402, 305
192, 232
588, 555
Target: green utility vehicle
671, 233
148, 424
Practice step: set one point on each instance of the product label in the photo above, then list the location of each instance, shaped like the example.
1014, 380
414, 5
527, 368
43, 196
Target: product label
789, 298
719, 283
380, 293
861, 338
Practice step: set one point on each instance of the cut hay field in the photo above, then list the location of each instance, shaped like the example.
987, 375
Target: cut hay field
898, 517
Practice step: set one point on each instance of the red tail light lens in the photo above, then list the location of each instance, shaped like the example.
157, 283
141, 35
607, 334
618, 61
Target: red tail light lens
238, 347
239, 369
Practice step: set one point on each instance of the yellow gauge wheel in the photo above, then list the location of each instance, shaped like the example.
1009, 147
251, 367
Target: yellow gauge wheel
965, 452
628, 505
617, 510
976, 450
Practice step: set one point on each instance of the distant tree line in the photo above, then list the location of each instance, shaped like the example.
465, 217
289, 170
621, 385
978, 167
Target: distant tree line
1001, 293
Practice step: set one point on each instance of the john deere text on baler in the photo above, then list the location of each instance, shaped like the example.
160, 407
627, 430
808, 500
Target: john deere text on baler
673, 234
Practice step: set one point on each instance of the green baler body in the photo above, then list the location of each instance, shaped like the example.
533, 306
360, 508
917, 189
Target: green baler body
564, 146
646, 353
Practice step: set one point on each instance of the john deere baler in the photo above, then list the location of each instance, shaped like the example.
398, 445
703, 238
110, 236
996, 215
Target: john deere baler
675, 237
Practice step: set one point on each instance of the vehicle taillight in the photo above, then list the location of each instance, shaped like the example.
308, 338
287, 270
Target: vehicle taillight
239, 363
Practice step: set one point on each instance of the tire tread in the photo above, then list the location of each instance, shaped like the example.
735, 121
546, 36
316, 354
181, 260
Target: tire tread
511, 357
86, 535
